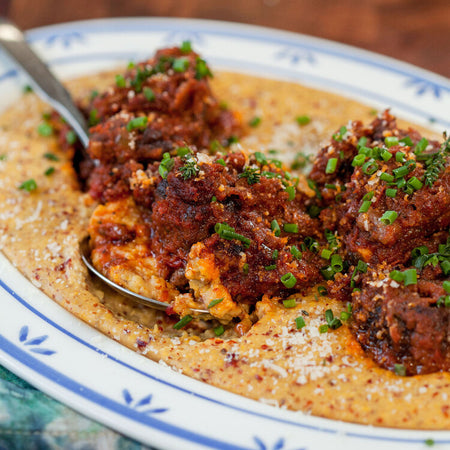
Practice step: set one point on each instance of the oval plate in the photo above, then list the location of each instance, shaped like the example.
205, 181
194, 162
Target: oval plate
74, 363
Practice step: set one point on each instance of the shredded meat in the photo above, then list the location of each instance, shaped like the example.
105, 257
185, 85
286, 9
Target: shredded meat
397, 323
171, 94
403, 325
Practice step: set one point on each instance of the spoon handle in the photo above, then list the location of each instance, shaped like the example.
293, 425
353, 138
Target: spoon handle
12, 40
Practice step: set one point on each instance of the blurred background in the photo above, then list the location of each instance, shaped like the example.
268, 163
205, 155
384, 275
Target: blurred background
415, 31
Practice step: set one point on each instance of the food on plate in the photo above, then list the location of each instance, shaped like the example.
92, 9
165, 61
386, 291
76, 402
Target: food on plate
319, 243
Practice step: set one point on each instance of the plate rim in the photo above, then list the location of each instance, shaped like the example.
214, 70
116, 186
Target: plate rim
239, 25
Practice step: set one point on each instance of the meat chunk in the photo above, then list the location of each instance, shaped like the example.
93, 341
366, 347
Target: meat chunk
240, 212
389, 200
155, 107
403, 326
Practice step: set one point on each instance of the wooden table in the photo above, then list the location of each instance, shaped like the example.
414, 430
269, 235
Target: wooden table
416, 31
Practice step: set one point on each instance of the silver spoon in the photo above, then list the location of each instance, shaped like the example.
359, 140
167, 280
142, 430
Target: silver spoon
47, 86
12, 40
85, 256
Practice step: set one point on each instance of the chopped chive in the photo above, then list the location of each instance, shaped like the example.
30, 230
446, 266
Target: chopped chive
421, 146
399, 156
275, 227
254, 122
290, 227
362, 141
389, 217
401, 172
327, 272
415, 183
410, 277
396, 275
93, 117
365, 206
202, 69
45, 129
429, 442
407, 141
229, 233
28, 185
446, 286
390, 141
290, 303
183, 151
120, 81
149, 94
51, 157
369, 195
27, 89
322, 290
213, 199
336, 263
303, 120
180, 64
221, 161
385, 155
326, 254
387, 177
271, 267
289, 280
391, 193
445, 267
245, 268
419, 251
361, 266
186, 47
137, 123
71, 137
300, 322
218, 331
399, 369
275, 254
183, 322
232, 140
3, 157
215, 302
166, 165
296, 253
370, 167
49, 171
331, 165
291, 192
261, 158
358, 160
323, 328
333, 322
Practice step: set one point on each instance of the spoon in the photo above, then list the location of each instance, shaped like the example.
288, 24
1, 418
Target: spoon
44, 83
85, 256
49, 88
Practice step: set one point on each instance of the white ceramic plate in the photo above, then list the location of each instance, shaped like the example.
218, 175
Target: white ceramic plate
67, 359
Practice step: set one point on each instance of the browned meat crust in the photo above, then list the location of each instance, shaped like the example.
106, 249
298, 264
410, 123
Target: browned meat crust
420, 212
171, 95
398, 325
387, 195
185, 211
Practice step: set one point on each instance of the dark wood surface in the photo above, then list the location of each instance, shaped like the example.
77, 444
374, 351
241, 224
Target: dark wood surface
416, 31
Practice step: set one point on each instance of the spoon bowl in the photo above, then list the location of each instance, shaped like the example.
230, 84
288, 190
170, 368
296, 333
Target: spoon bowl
86, 258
